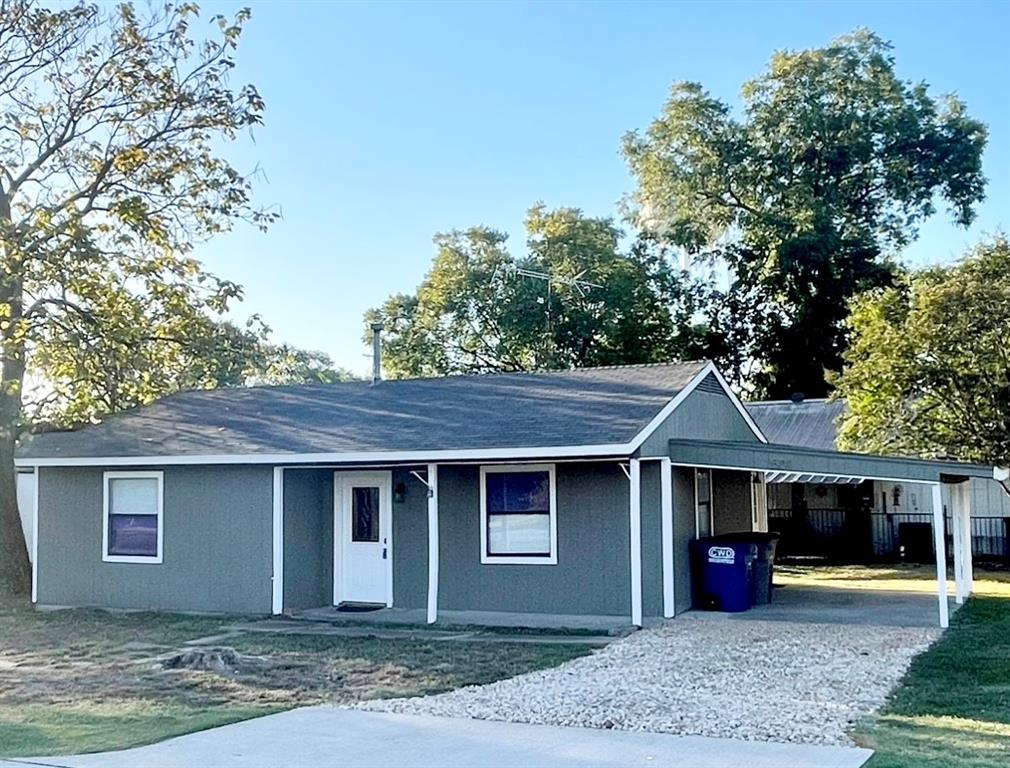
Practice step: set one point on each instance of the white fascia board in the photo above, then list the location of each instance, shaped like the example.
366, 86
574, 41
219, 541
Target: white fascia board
371, 457
706, 465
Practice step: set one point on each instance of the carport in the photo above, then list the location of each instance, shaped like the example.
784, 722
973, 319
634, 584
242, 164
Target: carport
781, 462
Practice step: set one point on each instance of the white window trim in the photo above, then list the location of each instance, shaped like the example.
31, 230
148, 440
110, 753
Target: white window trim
711, 505
487, 559
155, 475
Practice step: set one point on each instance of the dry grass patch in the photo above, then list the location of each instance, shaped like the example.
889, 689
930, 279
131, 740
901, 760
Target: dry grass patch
84, 680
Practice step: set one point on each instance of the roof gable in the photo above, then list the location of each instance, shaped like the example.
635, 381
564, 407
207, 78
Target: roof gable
708, 411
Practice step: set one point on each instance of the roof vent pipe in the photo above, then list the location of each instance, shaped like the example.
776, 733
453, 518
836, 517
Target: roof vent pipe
377, 352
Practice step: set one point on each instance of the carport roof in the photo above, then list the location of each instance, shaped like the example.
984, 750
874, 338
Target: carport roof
763, 457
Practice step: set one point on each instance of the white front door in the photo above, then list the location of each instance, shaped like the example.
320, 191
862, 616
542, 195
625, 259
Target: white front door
362, 538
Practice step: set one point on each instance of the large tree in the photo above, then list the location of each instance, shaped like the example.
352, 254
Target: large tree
575, 299
809, 193
95, 369
928, 372
110, 173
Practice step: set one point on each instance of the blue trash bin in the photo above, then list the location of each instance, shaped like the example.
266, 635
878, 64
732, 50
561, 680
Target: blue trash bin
764, 564
723, 574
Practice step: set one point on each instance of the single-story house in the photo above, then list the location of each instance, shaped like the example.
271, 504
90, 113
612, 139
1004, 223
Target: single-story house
864, 519
559, 493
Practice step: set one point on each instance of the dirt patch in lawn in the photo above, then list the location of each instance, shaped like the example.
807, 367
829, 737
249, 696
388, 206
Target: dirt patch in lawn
83, 680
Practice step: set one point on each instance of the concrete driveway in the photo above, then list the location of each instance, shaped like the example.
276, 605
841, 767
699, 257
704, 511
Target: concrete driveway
856, 607
327, 736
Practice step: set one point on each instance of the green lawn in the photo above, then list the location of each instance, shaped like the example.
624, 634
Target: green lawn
952, 708
85, 681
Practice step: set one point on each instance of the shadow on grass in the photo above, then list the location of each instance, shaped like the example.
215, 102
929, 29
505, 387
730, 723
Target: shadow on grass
36, 730
937, 742
952, 707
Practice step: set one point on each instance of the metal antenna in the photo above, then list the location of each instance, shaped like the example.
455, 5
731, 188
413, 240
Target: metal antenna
576, 281
582, 286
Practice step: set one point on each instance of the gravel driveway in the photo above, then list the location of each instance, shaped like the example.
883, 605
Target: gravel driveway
704, 675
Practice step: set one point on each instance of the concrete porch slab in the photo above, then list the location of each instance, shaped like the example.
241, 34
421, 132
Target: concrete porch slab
318, 736
391, 632
405, 616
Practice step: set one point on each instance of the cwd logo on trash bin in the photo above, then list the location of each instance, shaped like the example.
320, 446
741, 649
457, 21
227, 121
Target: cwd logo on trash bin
723, 555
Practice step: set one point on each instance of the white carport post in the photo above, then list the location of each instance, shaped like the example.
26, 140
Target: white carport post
432, 543
277, 601
940, 543
960, 518
635, 513
666, 531
35, 536
955, 531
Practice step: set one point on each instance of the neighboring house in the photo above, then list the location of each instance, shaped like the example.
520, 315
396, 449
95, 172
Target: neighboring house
868, 519
563, 493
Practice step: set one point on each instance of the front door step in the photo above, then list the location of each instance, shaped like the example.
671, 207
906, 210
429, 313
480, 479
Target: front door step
350, 606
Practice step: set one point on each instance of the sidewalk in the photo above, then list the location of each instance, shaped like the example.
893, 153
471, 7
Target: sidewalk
316, 737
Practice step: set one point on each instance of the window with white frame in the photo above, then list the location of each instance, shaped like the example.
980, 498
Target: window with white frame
132, 517
703, 502
518, 515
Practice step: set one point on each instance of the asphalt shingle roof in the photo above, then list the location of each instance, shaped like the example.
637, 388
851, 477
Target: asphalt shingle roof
807, 424
590, 406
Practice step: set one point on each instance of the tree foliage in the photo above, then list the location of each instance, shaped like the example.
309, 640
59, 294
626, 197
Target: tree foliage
476, 312
111, 123
808, 194
110, 369
928, 372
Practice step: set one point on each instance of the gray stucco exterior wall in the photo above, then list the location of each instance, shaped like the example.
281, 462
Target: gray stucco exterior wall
731, 501
593, 574
703, 415
683, 532
217, 547
218, 542
308, 538
410, 541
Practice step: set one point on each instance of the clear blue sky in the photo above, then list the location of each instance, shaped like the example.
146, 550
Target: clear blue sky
388, 122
